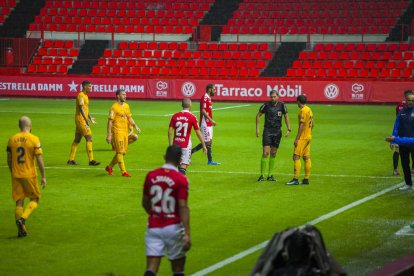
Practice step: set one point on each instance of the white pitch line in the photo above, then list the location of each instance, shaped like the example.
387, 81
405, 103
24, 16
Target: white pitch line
220, 108
405, 231
103, 114
216, 172
315, 221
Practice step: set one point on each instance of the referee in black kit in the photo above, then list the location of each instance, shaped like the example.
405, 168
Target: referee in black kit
272, 133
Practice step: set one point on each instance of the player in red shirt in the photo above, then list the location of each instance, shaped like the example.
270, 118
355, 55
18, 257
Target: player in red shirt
207, 123
179, 133
165, 200
395, 147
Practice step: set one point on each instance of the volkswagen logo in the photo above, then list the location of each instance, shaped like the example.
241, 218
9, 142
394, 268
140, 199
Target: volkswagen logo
188, 89
331, 91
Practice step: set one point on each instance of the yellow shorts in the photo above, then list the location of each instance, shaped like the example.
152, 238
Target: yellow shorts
303, 148
83, 128
25, 187
120, 143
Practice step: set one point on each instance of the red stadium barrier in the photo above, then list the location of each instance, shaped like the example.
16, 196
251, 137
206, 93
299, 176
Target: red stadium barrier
227, 90
17, 52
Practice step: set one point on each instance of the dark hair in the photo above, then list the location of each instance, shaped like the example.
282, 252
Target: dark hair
408, 92
302, 99
209, 86
119, 91
274, 92
85, 83
173, 154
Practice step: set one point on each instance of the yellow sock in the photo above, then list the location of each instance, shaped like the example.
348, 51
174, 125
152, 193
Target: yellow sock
296, 169
29, 209
18, 212
114, 161
89, 150
73, 149
308, 166
120, 158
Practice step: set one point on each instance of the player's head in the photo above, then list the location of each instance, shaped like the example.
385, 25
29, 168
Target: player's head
173, 155
25, 123
408, 92
186, 103
274, 96
301, 99
121, 95
210, 89
410, 100
86, 86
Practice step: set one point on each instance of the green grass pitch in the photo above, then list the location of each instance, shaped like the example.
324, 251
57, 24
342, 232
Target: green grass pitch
89, 223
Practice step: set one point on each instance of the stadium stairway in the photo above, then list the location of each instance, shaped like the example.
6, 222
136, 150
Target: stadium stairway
283, 59
405, 20
219, 14
18, 22
89, 54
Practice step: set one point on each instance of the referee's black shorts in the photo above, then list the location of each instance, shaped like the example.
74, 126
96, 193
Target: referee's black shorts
271, 138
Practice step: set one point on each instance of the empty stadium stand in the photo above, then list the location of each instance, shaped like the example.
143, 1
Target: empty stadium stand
183, 59
355, 60
315, 17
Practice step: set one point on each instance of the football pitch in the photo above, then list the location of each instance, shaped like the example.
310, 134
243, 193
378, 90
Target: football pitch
89, 223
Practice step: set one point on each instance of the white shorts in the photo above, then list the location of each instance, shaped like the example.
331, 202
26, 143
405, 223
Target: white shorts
207, 131
169, 237
186, 154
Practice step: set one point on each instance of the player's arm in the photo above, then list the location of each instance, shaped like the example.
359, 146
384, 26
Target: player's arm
184, 212
109, 131
9, 159
300, 130
287, 121
396, 126
200, 138
146, 203
403, 141
83, 114
92, 119
170, 135
132, 123
205, 114
259, 114
41, 166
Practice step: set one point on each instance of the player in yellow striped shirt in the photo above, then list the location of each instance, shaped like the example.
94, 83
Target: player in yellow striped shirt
82, 121
119, 119
302, 141
22, 150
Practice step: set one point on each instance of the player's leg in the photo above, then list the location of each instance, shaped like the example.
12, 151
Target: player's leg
412, 162
405, 163
89, 151
111, 165
272, 159
74, 148
209, 146
395, 157
185, 159
174, 242
275, 142
177, 266
154, 249
307, 161
153, 263
264, 159
296, 163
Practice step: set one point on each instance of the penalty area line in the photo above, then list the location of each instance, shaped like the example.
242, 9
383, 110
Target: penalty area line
312, 222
